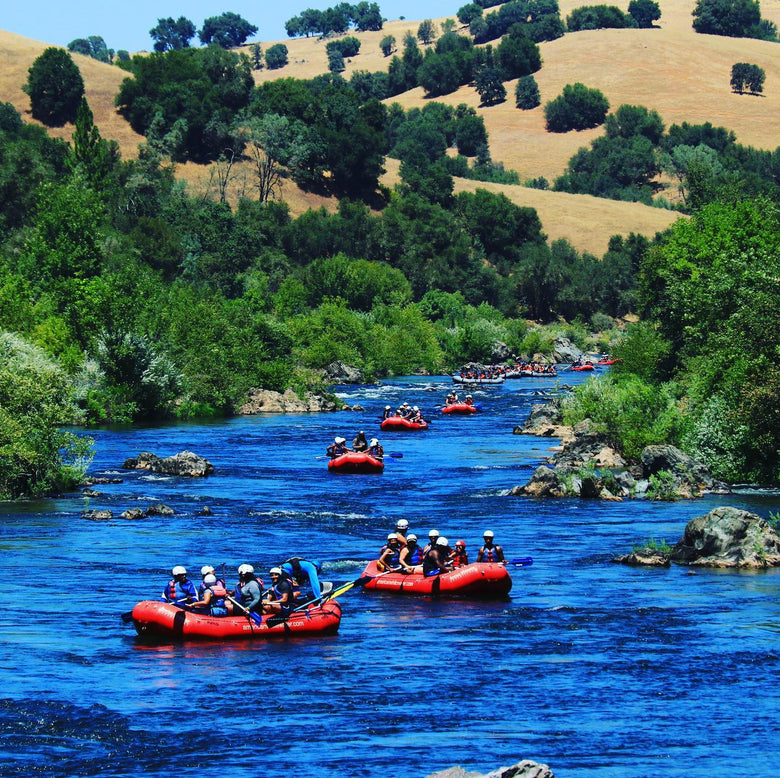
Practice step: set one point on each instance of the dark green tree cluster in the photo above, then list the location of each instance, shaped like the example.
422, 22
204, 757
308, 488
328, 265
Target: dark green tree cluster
276, 56
338, 19
172, 34
527, 93
94, 46
339, 49
598, 17
55, 87
734, 18
540, 19
228, 30
747, 77
576, 108
644, 12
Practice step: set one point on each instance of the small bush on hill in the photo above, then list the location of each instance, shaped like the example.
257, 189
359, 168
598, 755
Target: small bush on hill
597, 17
577, 108
527, 93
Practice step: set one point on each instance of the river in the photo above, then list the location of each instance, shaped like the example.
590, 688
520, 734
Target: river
593, 668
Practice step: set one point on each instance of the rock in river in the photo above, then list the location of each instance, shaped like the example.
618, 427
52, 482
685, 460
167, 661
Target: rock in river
185, 463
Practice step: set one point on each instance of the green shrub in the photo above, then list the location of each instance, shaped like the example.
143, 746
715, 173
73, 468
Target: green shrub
527, 93
662, 486
576, 108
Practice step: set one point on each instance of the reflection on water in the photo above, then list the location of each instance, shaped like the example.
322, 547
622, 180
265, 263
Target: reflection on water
597, 669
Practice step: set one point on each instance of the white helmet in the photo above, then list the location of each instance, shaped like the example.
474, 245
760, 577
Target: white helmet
179, 570
243, 569
210, 579
411, 537
387, 407
416, 408
206, 569
434, 533
402, 524
339, 440
374, 442
442, 541
487, 534
275, 571
392, 536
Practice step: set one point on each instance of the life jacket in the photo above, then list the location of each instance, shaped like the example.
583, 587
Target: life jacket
392, 560
460, 558
415, 557
488, 554
277, 592
218, 595
175, 592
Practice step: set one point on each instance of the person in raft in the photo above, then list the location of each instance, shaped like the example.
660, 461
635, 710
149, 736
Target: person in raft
376, 450
249, 592
469, 400
410, 557
437, 560
204, 571
416, 416
433, 536
459, 556
180, 590
451, 398
280, 597
401, 528
303, 571
360, 443
337, 448
213, 600
389, 555
490, 552
388, 413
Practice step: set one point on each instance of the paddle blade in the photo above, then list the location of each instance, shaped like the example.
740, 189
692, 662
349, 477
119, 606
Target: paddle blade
127, 617
396, 455
525, 561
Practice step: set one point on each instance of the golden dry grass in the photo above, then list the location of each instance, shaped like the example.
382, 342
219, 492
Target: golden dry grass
673, 70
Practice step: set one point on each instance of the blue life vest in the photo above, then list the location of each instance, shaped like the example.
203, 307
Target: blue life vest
415, 557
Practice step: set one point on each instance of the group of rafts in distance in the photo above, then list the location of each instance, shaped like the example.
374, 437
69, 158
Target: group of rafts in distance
402, 567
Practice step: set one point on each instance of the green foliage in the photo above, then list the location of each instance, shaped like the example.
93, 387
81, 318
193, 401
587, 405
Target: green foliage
347, 47
489, 86
653, 545
517, 55
662, 486
426, 31
527, 93
467, 13
632, 413
745, 76
387, 45
170, 34
598, 17
36, 457
576, 108
644, 12
276, 56
228, 30
55, 87
539, 19
94, 47
734, 18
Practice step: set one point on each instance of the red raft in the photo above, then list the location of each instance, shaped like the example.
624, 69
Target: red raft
462, 409
400, 424
356, 462
161, 620
480, 580
580, 368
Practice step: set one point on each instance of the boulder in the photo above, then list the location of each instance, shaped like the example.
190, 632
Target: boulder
545, 482
102, 480
341, 373
524, 769
692, 478
566, 351
184, 464
728, 537
644, 557
97, 515
159, 509
133, 513
499, 352
267, 401
205, 511
90, 493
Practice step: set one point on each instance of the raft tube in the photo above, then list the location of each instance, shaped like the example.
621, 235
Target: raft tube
582, 367
400, 424
153, 619
356, 462
462, 409
480, 580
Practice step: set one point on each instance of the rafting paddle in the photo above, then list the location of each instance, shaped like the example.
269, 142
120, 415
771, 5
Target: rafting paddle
523, 561
249, 614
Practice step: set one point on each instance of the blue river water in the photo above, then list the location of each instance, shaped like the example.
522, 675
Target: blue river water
591, 667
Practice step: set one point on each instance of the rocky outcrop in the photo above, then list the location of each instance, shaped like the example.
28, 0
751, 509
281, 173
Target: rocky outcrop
185, 464
545, 421
565, 351
728, 537
499, 352
725, 537
341, 373
524, 769
97, 515
266, 401
133, 513
160, 509
691, 477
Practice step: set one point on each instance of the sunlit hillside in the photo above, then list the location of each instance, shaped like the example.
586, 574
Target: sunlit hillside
672, 69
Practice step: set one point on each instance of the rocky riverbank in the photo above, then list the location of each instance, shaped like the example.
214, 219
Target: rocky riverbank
587, 465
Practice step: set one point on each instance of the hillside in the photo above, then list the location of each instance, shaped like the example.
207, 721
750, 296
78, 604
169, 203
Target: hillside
672, 69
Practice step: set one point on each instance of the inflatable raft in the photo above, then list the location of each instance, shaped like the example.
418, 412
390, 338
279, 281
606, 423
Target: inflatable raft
356, 462
400, 424
463, 409
161, 620
582, 368
480, 580
459, 379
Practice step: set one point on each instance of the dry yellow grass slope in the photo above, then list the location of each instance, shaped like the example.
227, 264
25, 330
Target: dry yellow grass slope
672, 69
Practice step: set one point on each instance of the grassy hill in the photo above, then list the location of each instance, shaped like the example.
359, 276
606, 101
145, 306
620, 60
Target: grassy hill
681, 74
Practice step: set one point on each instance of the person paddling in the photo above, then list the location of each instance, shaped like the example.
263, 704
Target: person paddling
204, 571
490, 552
214, 596
401, 529
337, 448
433, 536
410, 557
304, 571
360, 443
437, 559
459, 557
376, 449
280, 597
388, 556
180, 590
249, 589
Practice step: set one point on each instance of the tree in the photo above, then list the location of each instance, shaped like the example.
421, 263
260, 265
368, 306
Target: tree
276, 56
257, 56
467, 13
229, 30
94, 47
336, 61
517, 55
747, 76
387, 45
55, 87
170, 35
490, 87
576, 108
735, 18
644, 12
367, 16
527, 93
597, 17
426, 32
91, 154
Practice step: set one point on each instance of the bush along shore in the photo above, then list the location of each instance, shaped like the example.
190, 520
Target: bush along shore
588, 464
